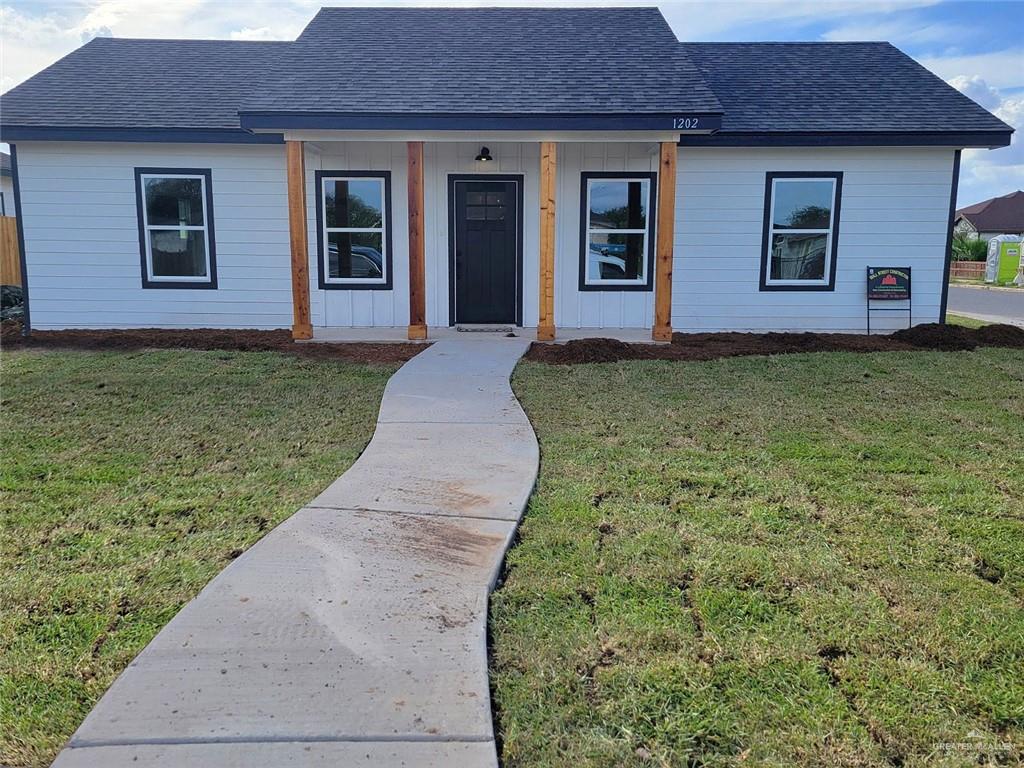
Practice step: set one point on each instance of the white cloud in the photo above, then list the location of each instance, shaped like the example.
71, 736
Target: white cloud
1000, 69
902, 33
990, 173
259, 33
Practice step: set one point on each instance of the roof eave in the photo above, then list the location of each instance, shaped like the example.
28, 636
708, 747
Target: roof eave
184, 135
959, 139
705, 122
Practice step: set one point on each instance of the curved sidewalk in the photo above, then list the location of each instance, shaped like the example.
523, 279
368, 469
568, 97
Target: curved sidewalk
355, 632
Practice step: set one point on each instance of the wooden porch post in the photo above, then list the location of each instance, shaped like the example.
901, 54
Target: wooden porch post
296, 173
548, 169
662, 330
417, 262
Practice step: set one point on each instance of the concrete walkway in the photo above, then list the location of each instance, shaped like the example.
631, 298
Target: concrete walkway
354, 634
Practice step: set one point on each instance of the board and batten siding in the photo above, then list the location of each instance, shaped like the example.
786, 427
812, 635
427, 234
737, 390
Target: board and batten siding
573, 309
895, 212
82, 237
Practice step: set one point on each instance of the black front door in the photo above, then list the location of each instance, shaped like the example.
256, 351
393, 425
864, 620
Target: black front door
486, 231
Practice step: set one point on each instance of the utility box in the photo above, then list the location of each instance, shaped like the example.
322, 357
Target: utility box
1003, 262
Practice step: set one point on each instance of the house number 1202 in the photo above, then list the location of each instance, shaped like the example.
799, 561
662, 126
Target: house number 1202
685, 123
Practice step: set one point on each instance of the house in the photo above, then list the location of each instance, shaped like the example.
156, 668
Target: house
571, 171
6, 186
996, 216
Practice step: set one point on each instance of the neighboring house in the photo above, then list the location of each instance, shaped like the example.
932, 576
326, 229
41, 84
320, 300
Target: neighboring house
997, 216
570, 169
6, 186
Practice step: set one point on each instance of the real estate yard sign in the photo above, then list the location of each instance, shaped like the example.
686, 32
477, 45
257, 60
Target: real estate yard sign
889, 284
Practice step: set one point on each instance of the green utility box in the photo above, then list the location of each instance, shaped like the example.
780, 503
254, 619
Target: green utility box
1003, 263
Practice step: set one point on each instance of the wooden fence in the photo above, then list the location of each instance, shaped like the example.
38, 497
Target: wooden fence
967, 270
10, 257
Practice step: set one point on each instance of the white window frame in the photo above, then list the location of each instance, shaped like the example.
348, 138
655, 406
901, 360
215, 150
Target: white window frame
147, 228
382, 229
589, 231
829, 233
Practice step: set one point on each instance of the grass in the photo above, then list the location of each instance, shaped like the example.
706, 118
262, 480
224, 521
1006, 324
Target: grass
128, 480
806, 560
965, 322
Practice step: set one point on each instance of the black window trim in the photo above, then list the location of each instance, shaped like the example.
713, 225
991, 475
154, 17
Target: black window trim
585, 177
770, 178
321, 267
207, 176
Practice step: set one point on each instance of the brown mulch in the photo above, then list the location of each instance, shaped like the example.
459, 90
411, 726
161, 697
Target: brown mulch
709, 346
207, 338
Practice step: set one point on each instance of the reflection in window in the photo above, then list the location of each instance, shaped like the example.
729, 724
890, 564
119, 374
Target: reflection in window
354, 236
801, 229
617, 231
175, 228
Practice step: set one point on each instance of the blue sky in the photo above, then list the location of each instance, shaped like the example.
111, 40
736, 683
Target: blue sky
976, 46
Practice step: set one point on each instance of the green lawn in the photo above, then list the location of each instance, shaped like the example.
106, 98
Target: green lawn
966, 322
805, 560
127, 481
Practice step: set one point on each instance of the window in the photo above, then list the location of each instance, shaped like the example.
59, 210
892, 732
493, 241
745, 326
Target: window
616, 242
176, 228
801, 231
354, 229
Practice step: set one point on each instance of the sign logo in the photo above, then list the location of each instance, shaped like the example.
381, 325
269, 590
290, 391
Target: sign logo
888, 283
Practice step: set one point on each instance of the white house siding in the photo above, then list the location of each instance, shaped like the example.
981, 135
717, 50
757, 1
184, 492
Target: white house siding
82, 238
895, 212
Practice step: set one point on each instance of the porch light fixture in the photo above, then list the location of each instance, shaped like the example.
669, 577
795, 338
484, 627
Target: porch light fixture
484, 156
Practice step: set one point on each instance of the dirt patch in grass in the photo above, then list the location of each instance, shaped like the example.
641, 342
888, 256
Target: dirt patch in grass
245, 340
710, 346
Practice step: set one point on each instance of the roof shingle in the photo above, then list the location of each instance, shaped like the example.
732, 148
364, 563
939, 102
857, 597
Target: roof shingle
862, 87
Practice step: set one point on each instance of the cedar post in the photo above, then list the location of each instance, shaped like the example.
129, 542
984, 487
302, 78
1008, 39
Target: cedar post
548, 170
662, 330
417, 263
296, 174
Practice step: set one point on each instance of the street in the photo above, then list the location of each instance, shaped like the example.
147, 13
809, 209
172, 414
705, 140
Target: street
997, 306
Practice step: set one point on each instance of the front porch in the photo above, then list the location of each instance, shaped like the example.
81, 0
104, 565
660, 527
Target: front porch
489, 228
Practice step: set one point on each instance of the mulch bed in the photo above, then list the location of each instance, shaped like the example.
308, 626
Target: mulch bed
206, 338
684, 346
709, 346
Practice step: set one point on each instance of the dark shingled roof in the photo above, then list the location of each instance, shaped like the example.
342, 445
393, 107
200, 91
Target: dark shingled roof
126, 83
618, 66
862, 87
1000, 214
487, 60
